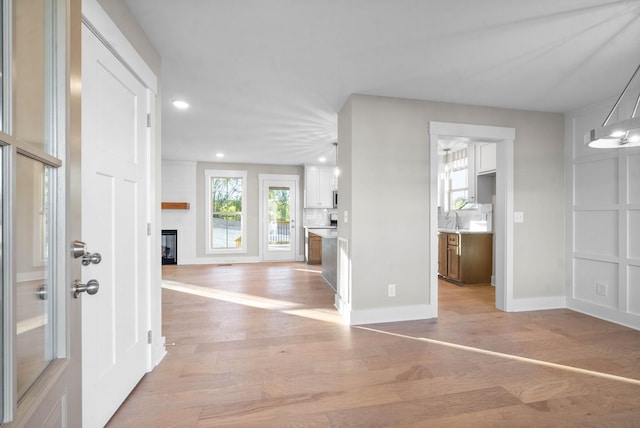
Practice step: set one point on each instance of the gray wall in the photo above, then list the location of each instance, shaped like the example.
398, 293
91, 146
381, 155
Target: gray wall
253, 198
384, 153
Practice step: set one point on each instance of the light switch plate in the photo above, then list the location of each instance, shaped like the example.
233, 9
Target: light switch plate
518, 217
346, 216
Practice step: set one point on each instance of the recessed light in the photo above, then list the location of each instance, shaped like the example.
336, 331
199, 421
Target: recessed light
180, 104
322, 159
219, 155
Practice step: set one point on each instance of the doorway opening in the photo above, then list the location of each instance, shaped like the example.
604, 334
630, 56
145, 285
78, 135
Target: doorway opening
502, 208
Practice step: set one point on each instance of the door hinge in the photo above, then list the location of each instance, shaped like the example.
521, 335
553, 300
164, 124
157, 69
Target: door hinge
148, 120
149, 337
148, 229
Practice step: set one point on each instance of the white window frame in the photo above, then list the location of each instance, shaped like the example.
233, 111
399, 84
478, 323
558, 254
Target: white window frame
224, 173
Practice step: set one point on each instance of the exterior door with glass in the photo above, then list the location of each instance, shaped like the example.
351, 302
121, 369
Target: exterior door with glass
279, 228
39, 197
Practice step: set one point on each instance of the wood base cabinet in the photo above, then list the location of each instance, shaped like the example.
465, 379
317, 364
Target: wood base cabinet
442, 254
314, 247
465, 258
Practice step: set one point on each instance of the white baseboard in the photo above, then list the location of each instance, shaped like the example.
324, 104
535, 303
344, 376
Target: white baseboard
538, 303
394, 314
219, 260
604, 313
159, 352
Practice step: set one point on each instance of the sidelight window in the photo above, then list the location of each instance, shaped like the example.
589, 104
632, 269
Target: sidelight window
32, 129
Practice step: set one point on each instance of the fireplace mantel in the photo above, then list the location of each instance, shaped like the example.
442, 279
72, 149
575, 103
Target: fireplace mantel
175, 205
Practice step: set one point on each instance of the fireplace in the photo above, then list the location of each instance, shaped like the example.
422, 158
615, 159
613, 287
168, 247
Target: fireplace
169, 247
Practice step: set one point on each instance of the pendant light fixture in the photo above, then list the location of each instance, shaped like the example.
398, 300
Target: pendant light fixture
621, 134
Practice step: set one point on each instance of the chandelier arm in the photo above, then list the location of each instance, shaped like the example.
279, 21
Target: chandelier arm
635, 108
624, 91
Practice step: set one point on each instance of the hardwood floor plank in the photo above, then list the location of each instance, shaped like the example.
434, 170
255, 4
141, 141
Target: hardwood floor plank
261, 345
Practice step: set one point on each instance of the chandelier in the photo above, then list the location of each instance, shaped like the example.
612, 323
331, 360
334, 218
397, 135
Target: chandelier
621, 134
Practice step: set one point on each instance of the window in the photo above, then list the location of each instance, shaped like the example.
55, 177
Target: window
456, 174
225, 199
459, 188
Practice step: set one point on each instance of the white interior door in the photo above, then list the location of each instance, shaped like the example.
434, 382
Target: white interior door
278, 219
115, 214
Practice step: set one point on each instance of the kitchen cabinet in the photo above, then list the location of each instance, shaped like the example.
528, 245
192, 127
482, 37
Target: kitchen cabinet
314, 249
485, 158
320, 182
482, 167
442, 254
468, 257
453, 256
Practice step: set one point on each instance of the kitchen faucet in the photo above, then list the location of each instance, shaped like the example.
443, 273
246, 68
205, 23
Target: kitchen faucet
457, 219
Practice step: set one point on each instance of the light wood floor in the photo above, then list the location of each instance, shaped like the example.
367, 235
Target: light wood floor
261, 345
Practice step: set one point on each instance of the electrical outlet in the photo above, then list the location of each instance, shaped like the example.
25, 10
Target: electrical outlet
518, 217
391, 288
601, 289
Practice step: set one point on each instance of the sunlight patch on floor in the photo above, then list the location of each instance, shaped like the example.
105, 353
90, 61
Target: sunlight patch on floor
290, 308
309, 270
509, 356
229, 296
318, 314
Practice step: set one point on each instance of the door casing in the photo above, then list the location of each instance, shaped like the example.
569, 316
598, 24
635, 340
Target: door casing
504, 139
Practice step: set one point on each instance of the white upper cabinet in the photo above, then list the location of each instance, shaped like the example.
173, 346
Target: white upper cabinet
319, 186
485, 158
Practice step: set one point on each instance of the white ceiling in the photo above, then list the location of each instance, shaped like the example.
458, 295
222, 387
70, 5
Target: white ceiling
267, 78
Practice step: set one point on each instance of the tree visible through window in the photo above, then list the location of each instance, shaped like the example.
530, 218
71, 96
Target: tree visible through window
226, 211
226, 192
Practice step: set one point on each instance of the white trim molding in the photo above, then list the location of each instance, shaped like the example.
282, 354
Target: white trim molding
538, 303
393, 314
99, 22
505, 139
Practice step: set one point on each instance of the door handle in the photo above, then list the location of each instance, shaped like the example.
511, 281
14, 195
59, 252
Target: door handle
91, 287
41, 292
80, 250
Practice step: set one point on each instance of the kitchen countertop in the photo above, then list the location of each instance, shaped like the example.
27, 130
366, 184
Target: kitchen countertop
464, 231
325, 232
320, 227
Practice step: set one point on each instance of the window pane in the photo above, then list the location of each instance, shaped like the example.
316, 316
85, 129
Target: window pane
279, 218
34, 344
226, 194
29, 82
458, 199
226, 231
459, 179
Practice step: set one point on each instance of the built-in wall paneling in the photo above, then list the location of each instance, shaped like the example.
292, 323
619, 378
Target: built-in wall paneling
634, 292
633, 168
179, 184
603, 272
